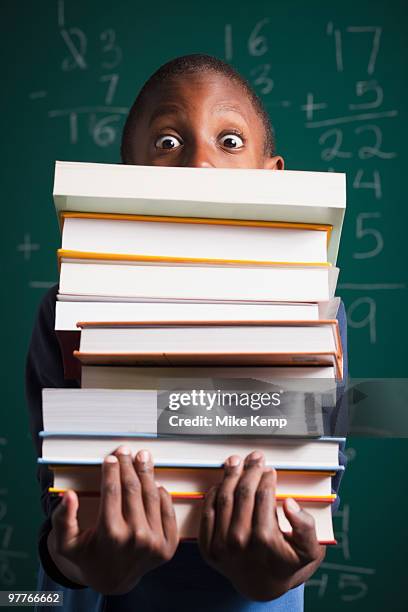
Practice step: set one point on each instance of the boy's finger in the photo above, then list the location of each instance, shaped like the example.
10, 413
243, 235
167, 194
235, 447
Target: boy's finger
150, 492
265, 522
65, 522
224, 503
110, 507
207, 521
168, 517
303, 537
131, 488
244, 499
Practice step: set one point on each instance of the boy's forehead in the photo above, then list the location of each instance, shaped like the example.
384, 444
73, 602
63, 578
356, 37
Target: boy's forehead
214, 90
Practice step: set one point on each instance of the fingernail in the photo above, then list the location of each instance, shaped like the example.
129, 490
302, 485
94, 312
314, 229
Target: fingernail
111, 459
233, 461
123, 450
255, 456
143, 456
293, 505
157, 484
64, 499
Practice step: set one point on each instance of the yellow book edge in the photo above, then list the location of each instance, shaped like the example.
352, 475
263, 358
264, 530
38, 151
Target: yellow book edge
158, 259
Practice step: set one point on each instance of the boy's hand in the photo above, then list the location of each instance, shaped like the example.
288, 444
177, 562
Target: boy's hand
240, 536
135, 531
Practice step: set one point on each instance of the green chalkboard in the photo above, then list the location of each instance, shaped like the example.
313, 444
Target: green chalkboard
333, 78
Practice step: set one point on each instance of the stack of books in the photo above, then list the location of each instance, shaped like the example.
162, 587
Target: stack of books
171, 275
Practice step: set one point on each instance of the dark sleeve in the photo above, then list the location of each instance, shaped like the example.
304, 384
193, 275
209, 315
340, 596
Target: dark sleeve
44, 368
340, 415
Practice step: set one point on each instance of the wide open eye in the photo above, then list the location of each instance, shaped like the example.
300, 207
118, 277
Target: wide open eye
232, 141
167, 142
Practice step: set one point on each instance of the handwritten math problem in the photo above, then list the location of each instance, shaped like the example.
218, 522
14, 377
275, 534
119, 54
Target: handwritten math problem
9, 557
358, 135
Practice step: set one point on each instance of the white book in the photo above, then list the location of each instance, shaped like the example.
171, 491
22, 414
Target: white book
188, 516
187, 282
219, 193
247, 343
68, 313
283, 453
270, 343
247, 337
195, 239
74, 411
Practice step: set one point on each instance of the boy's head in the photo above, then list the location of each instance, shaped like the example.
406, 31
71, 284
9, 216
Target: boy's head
197, 111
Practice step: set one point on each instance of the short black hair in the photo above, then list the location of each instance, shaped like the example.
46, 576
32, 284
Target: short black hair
193, 64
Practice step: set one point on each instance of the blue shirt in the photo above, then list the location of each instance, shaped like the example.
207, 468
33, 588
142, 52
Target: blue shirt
184, 583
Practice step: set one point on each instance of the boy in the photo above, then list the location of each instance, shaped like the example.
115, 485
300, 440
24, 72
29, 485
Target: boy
195, 111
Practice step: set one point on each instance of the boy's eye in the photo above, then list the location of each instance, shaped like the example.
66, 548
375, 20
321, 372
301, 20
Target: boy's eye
232, 141
167, 142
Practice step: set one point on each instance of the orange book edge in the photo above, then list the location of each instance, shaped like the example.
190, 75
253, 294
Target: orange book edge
221, 323
131, 257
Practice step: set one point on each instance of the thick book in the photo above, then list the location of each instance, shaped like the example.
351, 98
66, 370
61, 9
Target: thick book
188, 516
139, 279
298, 381
214, 193
217, 412
193, 239
203, 343
188, 486
283, 453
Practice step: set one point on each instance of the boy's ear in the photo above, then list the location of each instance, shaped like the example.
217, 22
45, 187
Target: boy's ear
274, 163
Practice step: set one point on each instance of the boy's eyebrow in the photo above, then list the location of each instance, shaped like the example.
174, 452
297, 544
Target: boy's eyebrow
164, 109
227, 106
